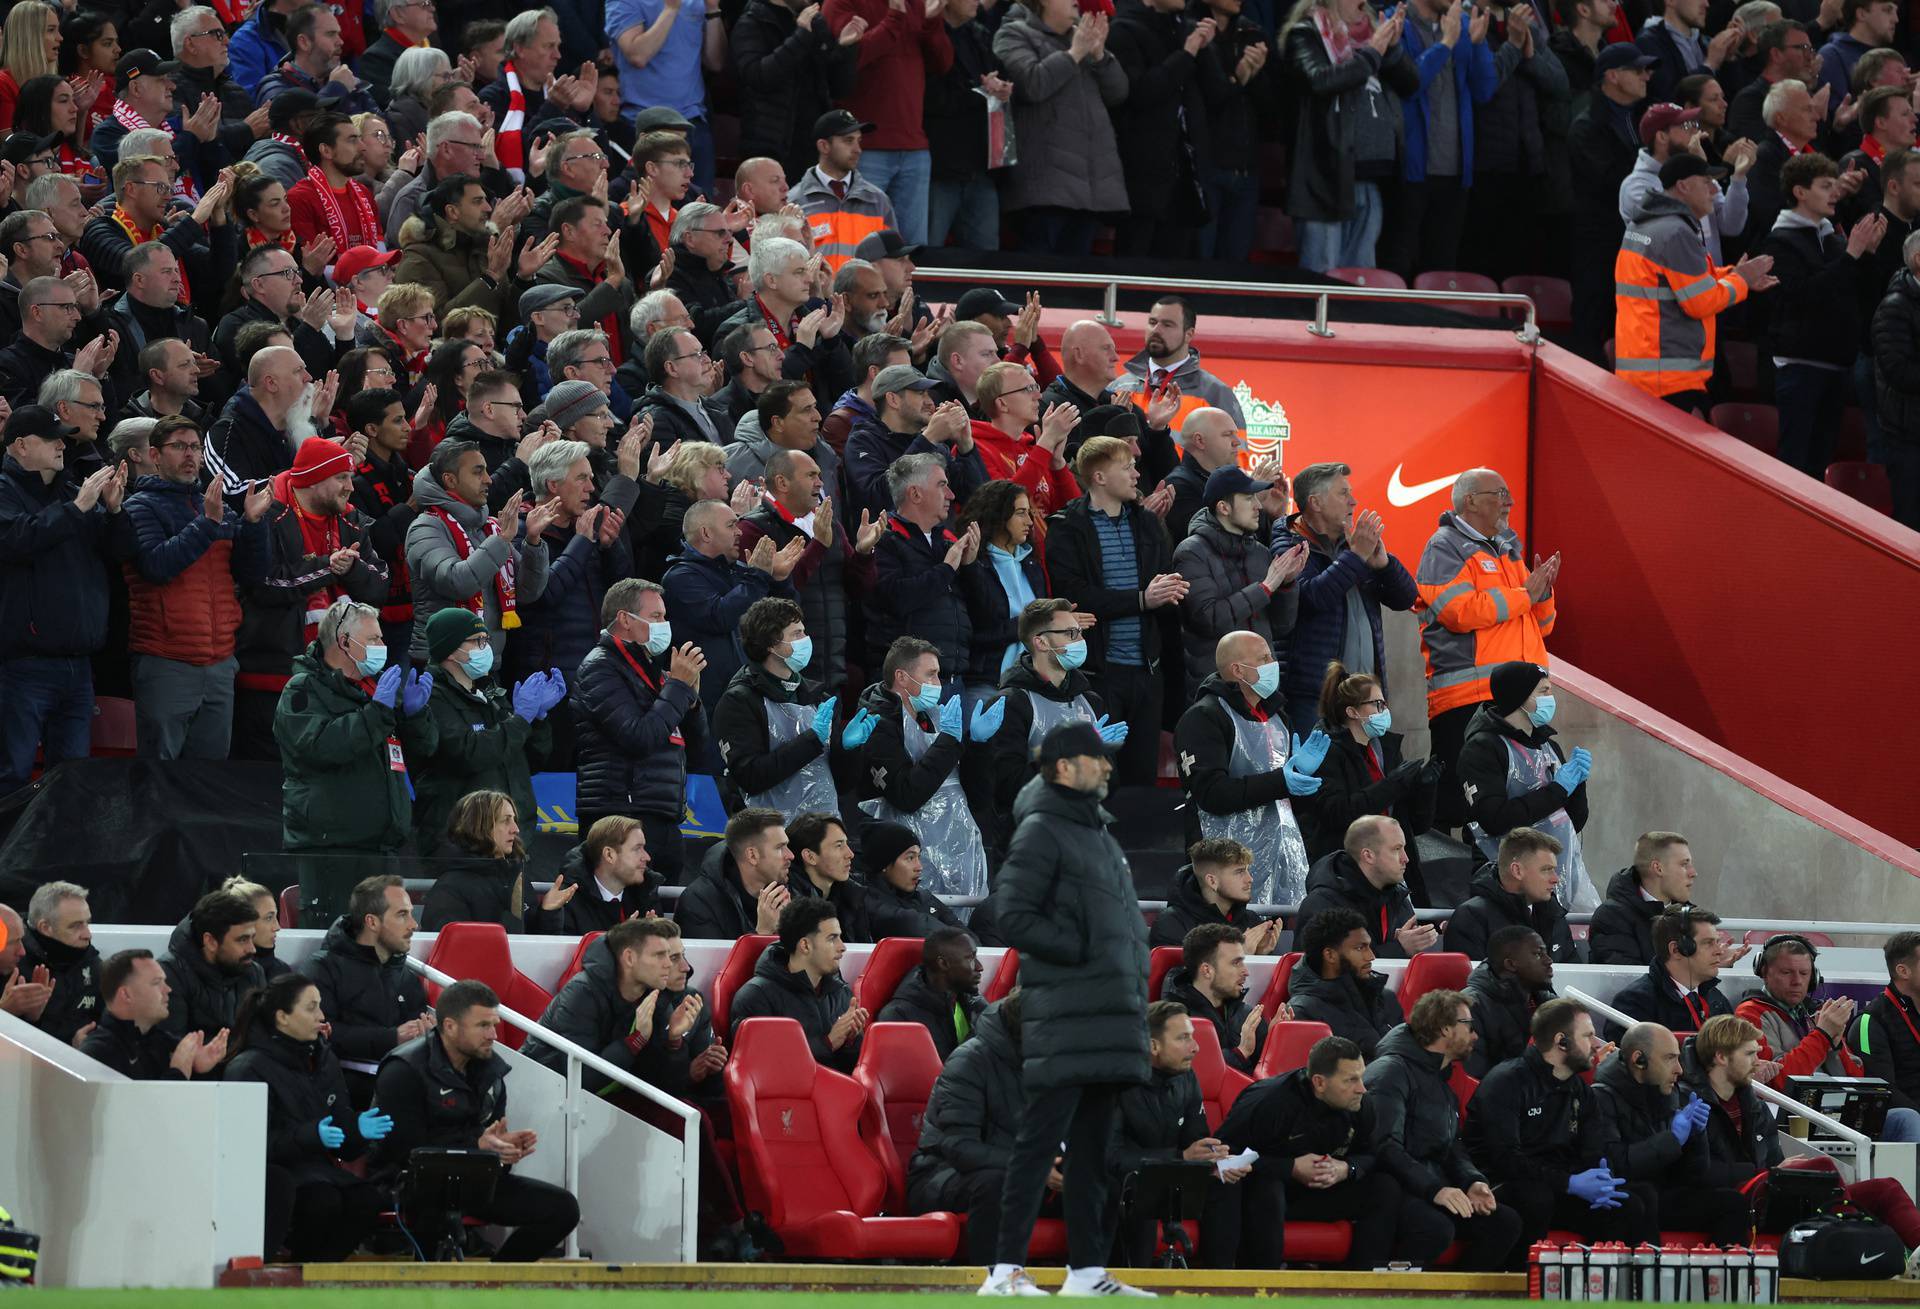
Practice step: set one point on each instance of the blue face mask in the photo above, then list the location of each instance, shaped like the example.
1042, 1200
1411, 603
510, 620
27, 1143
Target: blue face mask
1377, 724
1266, 679
927, 698
1542, 712
479, 663
802, 654
659, 636
376, 659
1072, 655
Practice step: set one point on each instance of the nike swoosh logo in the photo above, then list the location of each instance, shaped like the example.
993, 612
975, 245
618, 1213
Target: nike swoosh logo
1400, 495
1869, 1258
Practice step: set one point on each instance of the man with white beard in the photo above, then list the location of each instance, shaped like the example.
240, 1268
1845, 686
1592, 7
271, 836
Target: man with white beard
266, 421
866, 293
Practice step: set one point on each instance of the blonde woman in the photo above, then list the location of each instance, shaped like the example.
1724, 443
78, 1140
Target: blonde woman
266, 928
31, 49
695, 471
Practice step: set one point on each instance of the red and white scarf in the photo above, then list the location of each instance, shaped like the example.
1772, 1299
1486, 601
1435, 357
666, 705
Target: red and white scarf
1333, 35
502, 581
294, 143
365, 222
507, 143
129, 118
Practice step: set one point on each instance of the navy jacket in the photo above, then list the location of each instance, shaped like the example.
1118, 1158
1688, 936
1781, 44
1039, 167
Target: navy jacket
1654, 998
872, 446
558, 629
706, 599
1073, 560
918, 595
1320, 625
632, 729
53, 574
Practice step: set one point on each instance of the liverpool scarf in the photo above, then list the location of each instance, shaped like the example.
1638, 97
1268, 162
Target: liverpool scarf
507, 142
502, 581
364, 220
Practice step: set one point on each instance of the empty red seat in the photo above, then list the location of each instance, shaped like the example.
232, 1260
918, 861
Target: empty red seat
1383, 278
477, 952
113, 727
578, 961
1865, 482
732, 976
1159, 963
1756, 425
802, 1161
1318, 1243
897, 1068
892, 959
1463, 1086
1454, 280
1005, 977
1742, 360
1279, 984
1220, 1085
1436, 970
1552, 297
1851, 441
290, 906
1287, 1047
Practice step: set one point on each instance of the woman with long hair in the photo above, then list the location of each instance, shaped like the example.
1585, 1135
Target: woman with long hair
695, 471
48, 106
89, 52
281, 1040
451, 368
30, 48
1703, 91
260, 203
1001, 581
483, 877
417, 74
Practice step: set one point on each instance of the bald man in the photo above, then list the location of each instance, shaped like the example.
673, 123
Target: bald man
1209, 439
20, 995
1242, 769
1089, 361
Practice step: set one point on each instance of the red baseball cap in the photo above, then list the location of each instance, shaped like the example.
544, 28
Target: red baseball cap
1664, 118
359, 259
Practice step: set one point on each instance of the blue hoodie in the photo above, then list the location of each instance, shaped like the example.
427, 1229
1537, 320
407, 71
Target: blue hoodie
1475, 79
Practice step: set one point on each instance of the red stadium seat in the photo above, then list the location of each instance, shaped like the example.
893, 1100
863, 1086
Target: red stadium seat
113, 729
1220, 1085
477, 952
1436, 970
1851, 441
1742, 361
1159, 963
898, 1067
1447, 279
802, 1162
1552, 298
1463, 1087
290, 906
1287, 1046
578, 961
1278, 984
1757, 425
1865, 482
1005, 977
1759, 936
892, 959
1383, 278
732, 976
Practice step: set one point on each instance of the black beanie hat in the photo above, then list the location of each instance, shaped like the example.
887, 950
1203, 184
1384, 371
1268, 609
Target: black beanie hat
1512, 683
881, 844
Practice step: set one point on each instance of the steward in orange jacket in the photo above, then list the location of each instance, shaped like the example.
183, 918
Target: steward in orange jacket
1475, 611
1667, 292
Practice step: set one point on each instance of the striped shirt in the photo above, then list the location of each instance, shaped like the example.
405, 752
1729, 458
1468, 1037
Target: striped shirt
1119, 571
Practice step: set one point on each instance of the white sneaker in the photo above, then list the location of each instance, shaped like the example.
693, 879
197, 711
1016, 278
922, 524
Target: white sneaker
1095, 1281
1013, 1282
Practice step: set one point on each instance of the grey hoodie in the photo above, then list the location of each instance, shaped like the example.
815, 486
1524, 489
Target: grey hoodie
441, 577
750, 449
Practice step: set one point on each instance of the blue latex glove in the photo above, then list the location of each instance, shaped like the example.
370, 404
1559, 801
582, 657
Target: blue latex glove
556, 690
1299, 783
528, 696
330, 1136
858, 729
1111, 733
1573, 773
950, 716
1309, 754
1690, 1119
414, 698
374, 1125
823, 720
387, 688
987, 720
1598, 1187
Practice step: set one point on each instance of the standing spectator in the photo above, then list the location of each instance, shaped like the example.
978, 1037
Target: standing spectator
1002, 581
786, 416
961, 356
636, 723
804, 326
772, 723
447, 249
1886, 121
1662, 874
260, 43
1110, 556
1602, 145
149, 313
313, 62
32, 49
1514, 775
1088, 362
1209, 441
1367, 874
1783, 50
1518, 146
520, 96
1679, 41
898, 49
790, 73
906, 422
1681, 988
709, 587
1793, 119
943, 993
50, 316
750, 356
1236, 584
703, 282
588, 260
1417, 1134
1508, 989
1483, 608
1517, 887
1065, 83
210, 966
185, 549
917, 563
270, 284
1334, 981
1667, 130
843, 206
406, 25
331, 200
1165, 141
59, 954
678, 397
963, 201
663, 61
343, 742
890, 867
1813, 319
1169, 359
53, 594
1896, 373
1430, 207
1214, 887
374, 1001
1346, 136
1864, 25
1019, 442
383, 492
834, 564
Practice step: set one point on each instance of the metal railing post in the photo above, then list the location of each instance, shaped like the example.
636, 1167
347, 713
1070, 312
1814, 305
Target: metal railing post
1320, 327
570, 1154
1110, 305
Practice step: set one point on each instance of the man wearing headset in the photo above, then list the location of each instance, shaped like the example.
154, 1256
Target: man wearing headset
1682, 988
1887, 1036
1804, 1036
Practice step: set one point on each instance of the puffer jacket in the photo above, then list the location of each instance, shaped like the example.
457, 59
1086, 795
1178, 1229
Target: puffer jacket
1227, 592
1896, 359
304, 1086
75, 973
278, 609
1508, 133
1065, 900
1062, 107
1319, 630
1482, 767
1361, 1009
557, 629
1622, 930
1283, 1119
916, 1001
479, 744
205, 996
775, 991
1416, 1117
441, 577
181, 568
1336, 882
364, 999
1227, 1019
626, 715
706, 598
434, 1105
893, 912
453, 265
973, 1114
1320, 168
1636, 1133
716, 906
1158, 1121
1502, 1016
591, 1012
918, 595
342, 791
1653, 997
471, 888
1187, 909
1493, 907
53, 571
1525, 1124
1734, 1153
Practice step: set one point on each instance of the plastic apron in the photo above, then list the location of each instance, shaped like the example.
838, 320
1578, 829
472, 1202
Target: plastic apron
953, 859
809, 790
1527, 771
1270, 831
1049, 714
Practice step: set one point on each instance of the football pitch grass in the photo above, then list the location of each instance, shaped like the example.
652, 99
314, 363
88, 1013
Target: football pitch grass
374, 1297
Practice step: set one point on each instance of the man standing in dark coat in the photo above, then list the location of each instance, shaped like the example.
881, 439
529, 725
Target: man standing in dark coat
1065, 900
1602, 145
1165, 146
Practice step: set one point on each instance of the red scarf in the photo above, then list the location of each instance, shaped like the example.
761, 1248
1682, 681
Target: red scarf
286, 241
507, 142
782, 332
399, 605
320, 538
82, 170
416, 359
139, 237
609, 323
502, 580
286, 140
1872, 149
364, 221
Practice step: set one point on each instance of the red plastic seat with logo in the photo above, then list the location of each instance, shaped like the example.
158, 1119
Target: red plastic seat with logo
477, 952
897, 1068
1159, 963
892, 959
732, 976
1287, 1047
1435, 970
1005, 977
802, 1161
578, 961
1280, 985
1220, 1085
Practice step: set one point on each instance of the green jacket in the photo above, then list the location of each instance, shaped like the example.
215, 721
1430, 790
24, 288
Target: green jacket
341, 791
480, 745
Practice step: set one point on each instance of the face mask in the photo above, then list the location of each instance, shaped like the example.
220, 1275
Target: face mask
1266, 679
1542, 712
479, 663
927, 698
376, 660
802, 654
659, 636
1377, 724
1072, 655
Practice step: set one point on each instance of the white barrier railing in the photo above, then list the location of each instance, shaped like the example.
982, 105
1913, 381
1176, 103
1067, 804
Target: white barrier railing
578, 1058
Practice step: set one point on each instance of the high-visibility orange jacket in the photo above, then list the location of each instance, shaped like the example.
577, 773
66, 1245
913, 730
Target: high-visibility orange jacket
1666, 294
1475, 613
840, 223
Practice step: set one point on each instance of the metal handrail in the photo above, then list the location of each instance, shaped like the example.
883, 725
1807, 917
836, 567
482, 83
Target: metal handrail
578, 1056
1529, 333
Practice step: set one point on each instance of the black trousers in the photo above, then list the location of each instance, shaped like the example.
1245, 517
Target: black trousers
330, 1221
1492, 1241
253, 737
1424, 223
540, 1214
977, 1195
1448, 733
1084, 1118
1133, 695
1541, 1209
1228, 1209
1724, 1214
1372, 1204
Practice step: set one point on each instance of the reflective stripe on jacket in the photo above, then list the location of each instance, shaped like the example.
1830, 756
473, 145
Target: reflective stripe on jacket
1667, 293
1475, 613
841, 223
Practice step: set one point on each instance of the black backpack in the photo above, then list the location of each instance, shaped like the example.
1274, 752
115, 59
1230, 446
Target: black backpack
1832, 1247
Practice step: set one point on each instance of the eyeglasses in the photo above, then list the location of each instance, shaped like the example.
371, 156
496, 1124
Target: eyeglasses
42, 161
216, 33
468, 145
187, 447
596, 156
686, 164
158, 186
41, 236
692, 354
1505, 496
95, 405
604, 360
60, 304
509, 404
418, 318
1375, 703
292, 274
